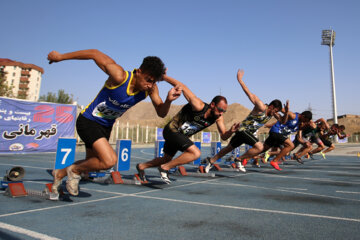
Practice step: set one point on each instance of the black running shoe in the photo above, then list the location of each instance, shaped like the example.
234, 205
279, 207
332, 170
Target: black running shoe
298, 159
141, 173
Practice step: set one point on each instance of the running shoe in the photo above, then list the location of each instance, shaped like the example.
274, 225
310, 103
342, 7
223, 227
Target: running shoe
267, 155
297, 159
164, 175
208, 165
311, 156
72, 182
323, 155
244, 162
239, 166
275, 165
141, 174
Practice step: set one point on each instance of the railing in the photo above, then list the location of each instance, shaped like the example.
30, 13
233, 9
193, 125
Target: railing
147, 135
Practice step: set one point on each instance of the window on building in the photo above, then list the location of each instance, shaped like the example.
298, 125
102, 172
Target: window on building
14, 74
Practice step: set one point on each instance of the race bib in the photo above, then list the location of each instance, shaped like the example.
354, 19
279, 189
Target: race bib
106, 112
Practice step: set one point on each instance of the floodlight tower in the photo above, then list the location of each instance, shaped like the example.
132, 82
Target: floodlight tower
328, 38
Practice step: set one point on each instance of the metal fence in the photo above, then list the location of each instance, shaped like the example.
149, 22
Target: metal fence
145, 134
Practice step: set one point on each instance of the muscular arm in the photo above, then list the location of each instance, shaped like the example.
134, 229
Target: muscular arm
162, 108
222, 130
323, 122
287, 114
196, 103
108, 65
259, 105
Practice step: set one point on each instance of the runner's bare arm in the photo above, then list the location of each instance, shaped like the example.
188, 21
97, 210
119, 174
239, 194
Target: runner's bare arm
162, 108
108, 65
259, 105
196, 103
222, 130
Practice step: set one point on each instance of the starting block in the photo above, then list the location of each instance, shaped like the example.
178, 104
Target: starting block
182, 171
16, 189
220, 169
117, 179
138, 178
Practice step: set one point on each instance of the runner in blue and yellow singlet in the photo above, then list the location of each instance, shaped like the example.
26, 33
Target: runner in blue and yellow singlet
122, 90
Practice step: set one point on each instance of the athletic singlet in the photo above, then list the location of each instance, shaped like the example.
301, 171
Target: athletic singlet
328, 134
309, 131
189, 122
287, 128
254, 121
112, 102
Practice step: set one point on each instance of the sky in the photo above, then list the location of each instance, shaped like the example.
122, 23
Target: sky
203, 43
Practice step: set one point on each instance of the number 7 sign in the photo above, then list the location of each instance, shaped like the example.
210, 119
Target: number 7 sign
65, 153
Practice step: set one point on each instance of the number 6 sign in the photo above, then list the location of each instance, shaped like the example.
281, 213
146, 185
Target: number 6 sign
123, 150
65, 153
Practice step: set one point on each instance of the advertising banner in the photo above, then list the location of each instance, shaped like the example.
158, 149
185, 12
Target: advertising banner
27, 126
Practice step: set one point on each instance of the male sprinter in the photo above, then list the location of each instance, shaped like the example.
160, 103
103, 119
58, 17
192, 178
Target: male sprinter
325, 137
307, 136
260, 114
122, 90
192, 118
279, 133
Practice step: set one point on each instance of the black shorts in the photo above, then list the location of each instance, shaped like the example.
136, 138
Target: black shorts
89, 131
315, 139
242, 137
275, 139
326, 142
175, 141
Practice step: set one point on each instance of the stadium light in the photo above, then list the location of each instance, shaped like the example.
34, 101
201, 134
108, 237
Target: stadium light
328, 38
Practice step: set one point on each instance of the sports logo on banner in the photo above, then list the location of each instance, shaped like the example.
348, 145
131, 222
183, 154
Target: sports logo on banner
34, 127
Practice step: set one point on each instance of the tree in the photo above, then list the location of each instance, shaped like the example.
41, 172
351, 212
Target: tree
60, 97
5, 90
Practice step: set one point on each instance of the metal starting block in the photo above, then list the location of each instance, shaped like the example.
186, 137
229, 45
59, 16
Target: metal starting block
18, 190
138, 178
117, 179
182, 171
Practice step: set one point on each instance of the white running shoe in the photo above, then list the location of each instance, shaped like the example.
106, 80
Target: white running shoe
164, 175
239, 166
208, 165
72, 182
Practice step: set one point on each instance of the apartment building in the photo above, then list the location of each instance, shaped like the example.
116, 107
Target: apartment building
25, 78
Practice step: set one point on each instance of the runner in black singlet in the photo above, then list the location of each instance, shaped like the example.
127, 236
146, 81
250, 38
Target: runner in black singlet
192, 118
260, 114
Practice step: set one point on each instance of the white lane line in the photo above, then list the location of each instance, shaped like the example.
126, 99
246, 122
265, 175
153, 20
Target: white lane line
27, 232
348, 192
54, 207
194, 203
251, 209
5, 164
296, 189
146, 153
305, 178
